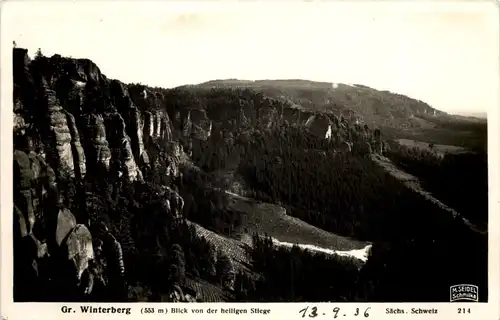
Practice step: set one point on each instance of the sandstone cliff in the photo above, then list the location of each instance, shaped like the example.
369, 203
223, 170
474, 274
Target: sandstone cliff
72, 123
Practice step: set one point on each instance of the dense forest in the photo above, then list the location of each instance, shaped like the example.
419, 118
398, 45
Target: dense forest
459, 180
297, 275
347, 194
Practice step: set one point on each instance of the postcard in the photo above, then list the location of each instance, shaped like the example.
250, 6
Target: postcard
288, 160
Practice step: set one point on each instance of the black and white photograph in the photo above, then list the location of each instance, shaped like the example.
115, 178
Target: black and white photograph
334, 153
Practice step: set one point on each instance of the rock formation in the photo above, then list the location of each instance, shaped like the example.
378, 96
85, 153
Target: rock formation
71, 122
76, 147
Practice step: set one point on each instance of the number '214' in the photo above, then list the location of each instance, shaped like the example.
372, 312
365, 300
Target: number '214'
314, 312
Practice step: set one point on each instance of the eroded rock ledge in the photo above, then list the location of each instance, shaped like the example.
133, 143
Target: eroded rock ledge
72, 122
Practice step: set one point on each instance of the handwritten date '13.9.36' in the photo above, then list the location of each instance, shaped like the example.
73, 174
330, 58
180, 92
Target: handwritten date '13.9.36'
313, 312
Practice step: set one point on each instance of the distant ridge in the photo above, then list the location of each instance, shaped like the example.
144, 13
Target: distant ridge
479, 115
355, 102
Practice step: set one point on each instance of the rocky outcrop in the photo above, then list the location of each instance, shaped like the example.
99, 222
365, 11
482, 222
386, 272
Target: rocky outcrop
76, 98
96, 146
201, 125
70, 120
60, 149
186, 124
76, 147
269, 115
121, 143
319, 125
73, 242
157, 126
18, 124
134, 122
185, 294
175, 202
152, 122
66, 222
79, 247
23, 200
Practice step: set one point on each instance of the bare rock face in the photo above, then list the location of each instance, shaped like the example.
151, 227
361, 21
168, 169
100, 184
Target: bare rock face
43, 180
157, 129
174, 156
66, 222
74, 243
319, 125
77, 149
79, 247
201, 124
97, 148
121, 141
158, 136
148, 125
23, 179
71, 252
157, 125
77, 121
154, 120
20, 225
37, 164
187, 124
269, 115
138, 127
134, 122
60, 135
19, 124
175, 201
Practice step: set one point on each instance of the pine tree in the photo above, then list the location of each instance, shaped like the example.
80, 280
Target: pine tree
177, 265
224, 270
39, 54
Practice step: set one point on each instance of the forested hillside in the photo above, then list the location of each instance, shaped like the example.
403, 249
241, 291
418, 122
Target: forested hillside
128, 185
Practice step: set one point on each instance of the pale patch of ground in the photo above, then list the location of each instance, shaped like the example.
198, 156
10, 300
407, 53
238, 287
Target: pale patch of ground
360, 254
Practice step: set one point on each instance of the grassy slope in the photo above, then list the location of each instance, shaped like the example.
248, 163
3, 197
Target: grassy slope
208, 292
235, 249
266, 218
440, 148
270, 219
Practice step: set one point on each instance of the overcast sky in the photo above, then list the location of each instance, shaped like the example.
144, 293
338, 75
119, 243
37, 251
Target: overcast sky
446, 55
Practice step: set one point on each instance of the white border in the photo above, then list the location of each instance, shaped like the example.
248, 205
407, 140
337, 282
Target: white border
27, 311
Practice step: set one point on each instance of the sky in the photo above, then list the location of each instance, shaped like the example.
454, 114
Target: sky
446, 54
